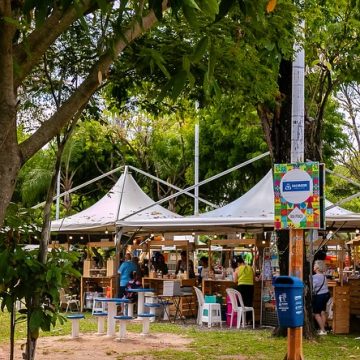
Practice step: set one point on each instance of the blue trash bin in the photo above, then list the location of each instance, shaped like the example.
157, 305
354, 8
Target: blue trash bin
289, 301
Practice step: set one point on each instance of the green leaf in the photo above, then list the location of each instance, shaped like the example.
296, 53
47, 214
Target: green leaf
210, 7
200, 49
190, 15
178, 85
186, 63
328, 65
315, 62
36, 319
192, 4
212, 60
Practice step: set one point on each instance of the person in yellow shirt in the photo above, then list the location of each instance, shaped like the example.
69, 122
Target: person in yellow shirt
244, 278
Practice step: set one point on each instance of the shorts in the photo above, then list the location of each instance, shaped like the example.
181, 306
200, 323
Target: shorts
319, 302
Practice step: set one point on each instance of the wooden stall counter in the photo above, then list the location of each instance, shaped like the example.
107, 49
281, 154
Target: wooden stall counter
188, 305
212, 287
340, 322
158, 283
354, 285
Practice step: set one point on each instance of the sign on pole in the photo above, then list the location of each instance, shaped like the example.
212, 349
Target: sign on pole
299, 201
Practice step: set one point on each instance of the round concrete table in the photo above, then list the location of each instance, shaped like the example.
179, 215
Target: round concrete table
111, 322
141, 297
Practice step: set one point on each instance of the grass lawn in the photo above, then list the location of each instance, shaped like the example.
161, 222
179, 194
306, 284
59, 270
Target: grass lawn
216, 344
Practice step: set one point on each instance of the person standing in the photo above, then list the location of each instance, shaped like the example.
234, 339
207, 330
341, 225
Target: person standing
181, 265
125, 270
320, 296
244, 278
160, 264
204, 269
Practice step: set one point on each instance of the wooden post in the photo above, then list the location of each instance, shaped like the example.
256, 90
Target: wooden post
296, 255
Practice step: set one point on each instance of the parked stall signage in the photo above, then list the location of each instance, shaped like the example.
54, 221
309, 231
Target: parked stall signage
299, 200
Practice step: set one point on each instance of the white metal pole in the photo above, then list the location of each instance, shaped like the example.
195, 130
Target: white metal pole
297, 107
57, 214
196, 168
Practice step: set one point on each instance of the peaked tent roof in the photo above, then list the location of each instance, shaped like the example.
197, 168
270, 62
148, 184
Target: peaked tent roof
123, 200
254, 209
259, 202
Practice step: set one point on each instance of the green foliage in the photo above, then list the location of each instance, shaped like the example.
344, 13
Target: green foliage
24, 277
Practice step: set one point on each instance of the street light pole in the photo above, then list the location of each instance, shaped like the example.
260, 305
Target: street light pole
296, 236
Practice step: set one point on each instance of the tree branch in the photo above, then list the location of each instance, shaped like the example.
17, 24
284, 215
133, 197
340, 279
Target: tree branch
28, 53
89, 86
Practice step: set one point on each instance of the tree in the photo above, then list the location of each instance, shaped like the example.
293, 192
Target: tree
30, 35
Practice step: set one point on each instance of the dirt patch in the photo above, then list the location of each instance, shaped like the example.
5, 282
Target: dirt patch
89, 346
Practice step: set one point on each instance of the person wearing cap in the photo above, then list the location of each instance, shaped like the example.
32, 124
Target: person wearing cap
181, 265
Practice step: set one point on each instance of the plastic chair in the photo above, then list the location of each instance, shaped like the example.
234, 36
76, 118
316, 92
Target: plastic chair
207, 312
68, 300
98, 307
238, 307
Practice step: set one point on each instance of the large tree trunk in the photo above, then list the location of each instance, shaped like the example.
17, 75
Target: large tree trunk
10, 159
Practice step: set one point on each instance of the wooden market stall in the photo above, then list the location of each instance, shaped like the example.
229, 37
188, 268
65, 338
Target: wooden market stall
155, 281
354, 279
218, 283
95, 279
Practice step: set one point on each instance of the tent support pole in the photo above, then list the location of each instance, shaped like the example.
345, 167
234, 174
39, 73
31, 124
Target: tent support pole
199, 184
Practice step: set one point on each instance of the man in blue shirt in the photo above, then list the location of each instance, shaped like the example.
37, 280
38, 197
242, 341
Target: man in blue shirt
125, 270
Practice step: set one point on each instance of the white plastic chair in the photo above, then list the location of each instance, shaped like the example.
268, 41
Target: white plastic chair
207, 312
68, 300
237, 305
98, 307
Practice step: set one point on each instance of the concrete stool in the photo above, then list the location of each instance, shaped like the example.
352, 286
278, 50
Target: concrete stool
152, 309
123, 319
145, 317
166, 308
75, 321
129, 309
101, 322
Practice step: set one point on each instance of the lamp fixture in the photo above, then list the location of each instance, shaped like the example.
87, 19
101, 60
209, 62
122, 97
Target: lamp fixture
106, 231
70, 237
357, 231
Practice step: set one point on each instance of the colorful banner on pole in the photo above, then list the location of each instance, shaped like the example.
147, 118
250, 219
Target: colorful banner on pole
298, 190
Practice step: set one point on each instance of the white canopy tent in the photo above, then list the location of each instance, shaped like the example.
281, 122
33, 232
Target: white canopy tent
128, 208
252, 211
123, 200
